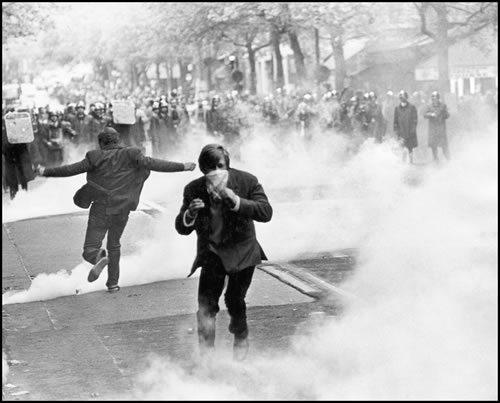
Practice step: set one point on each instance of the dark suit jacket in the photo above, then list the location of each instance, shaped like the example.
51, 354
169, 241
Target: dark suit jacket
239, 248
120, 170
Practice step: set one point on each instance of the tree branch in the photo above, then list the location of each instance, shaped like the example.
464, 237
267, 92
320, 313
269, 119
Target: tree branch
469, 18
470, 32
421, 9
262, 46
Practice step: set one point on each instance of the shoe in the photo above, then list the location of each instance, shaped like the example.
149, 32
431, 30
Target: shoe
240, 349
114, 288
102, 261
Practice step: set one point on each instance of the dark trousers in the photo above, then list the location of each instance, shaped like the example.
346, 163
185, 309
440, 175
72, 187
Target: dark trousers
98, 225
210, 288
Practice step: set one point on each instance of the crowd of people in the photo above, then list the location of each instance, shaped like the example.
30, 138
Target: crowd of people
162, 123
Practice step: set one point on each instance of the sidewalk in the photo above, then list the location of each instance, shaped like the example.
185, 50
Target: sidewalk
93, 345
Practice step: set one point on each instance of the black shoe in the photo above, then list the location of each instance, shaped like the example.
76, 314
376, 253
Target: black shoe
114, 288
102, 261
240, 348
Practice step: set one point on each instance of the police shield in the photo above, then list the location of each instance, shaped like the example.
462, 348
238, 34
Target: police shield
19, 127
123, 112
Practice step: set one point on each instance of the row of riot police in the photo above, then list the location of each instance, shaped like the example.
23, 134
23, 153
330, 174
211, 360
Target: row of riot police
58, 133
359, 114
168, 124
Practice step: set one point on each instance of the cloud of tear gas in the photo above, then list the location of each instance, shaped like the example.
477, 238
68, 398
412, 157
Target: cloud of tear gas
44, 197
323, 200
426, 323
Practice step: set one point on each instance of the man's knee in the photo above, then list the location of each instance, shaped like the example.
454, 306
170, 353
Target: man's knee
90, 254
234, 301
207, 310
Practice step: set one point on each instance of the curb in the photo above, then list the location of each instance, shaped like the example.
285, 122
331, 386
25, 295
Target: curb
305, 282
278, 272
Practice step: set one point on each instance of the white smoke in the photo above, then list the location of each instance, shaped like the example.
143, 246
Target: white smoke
357, 194
426, 326
427, 273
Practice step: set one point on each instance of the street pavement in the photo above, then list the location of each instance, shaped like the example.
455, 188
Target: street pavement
93, 345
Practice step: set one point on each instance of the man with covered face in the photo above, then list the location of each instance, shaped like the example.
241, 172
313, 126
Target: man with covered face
221, 207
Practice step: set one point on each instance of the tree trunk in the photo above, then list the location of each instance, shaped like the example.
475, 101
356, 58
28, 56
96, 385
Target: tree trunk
253, 73
275, 38
298, 56
183, 71
158, 72
108, 68
170, 77
442, 49
133, 76
316, 46
338, 55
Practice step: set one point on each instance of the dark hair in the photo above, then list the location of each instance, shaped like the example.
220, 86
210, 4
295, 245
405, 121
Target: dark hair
108, 136
210, 155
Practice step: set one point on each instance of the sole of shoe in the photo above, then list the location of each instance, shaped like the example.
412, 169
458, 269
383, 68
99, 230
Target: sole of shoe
96, 271
114, 289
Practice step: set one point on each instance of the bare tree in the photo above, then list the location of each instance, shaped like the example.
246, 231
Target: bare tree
342, 22
447, 22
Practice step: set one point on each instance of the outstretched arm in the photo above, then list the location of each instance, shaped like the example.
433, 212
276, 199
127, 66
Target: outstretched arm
67, 170
155, 164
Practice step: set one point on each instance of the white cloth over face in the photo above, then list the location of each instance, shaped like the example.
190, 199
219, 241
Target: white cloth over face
216, 182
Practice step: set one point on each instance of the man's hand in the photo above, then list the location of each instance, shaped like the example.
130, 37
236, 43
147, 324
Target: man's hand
189, 166
194, 207
229, 197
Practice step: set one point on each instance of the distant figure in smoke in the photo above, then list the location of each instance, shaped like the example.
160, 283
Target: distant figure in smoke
389, 104
377, 125
53, 140
97, 122
115, 177
213, 120
342, 119
437, 113
305, 114
80, 124
221, 207
405, 124
17, 167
